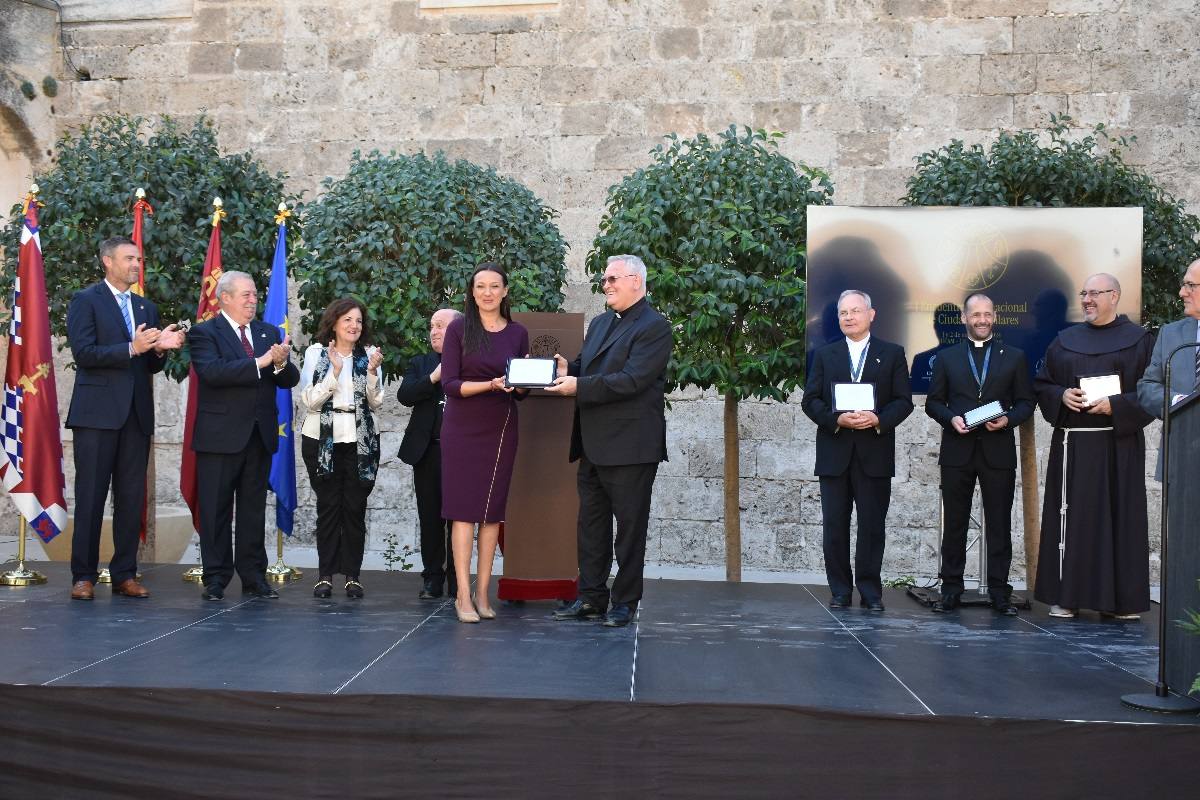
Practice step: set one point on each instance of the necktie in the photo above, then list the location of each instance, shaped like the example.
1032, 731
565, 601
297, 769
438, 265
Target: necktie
246, 342
126, 313
1198, 366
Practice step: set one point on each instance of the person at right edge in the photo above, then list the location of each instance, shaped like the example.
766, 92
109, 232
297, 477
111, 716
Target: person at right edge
968, 375
856, 450
619, 438
421, 448
1095, 550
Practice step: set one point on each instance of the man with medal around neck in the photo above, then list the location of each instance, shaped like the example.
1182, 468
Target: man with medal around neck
856, 450
968, 375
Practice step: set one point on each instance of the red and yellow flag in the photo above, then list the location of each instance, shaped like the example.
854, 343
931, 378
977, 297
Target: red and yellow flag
206, 309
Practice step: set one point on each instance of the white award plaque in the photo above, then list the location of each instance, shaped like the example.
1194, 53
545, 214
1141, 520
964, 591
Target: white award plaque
854, 397
985, 413
1097, 387
530, 373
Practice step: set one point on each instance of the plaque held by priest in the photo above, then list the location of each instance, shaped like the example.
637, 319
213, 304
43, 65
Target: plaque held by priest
983, 414
530, 373
856, 396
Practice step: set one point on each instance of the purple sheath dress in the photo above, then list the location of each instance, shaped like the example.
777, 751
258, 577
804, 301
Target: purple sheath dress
479, 433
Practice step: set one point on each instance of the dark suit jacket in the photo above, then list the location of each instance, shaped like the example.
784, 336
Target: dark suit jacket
231, 395
107, 380
619, 410
884, 366
953, 392
424, 397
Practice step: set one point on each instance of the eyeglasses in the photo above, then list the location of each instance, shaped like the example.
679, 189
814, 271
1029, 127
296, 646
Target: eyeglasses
1092, 294
1189, 286
605, 280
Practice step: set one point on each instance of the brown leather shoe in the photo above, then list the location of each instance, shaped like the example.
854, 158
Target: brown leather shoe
83, 590
130, 588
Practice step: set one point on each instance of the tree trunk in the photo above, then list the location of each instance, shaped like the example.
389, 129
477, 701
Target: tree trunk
733, 511
1031, 514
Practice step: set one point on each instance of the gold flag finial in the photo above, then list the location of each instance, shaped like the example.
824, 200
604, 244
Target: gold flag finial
33, 188
140, 194
218, 212
281, 217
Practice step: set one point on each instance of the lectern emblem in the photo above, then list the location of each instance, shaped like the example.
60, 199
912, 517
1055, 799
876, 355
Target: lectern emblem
544, 346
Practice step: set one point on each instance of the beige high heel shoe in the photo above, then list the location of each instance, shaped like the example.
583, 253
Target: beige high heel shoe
466, 616
483, 613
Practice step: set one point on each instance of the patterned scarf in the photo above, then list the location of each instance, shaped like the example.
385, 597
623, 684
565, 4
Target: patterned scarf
364, 421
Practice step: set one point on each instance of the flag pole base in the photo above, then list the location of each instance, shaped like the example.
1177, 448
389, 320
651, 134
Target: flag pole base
280, 572
194, 575
1161, 701
21, 576
104, 577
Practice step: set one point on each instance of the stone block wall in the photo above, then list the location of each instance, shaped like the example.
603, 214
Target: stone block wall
569, 101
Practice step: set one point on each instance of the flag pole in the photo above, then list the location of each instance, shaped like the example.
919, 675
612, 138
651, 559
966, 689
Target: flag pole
21, 576
196, 574
280, 572
31, 460
282, 478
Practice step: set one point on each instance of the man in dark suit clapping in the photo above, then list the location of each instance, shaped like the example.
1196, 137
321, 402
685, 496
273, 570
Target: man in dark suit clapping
239, 363
856, 449
421, 390
619, 438
117, 346
966, 376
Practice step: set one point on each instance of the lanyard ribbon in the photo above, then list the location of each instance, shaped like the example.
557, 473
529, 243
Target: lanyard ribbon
856, 371
987, 359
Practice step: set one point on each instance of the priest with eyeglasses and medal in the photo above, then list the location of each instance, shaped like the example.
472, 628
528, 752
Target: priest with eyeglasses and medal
1095, 551
979, 393
857, 392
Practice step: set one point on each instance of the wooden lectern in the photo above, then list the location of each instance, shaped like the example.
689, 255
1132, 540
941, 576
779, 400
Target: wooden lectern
540, 561
1183, 544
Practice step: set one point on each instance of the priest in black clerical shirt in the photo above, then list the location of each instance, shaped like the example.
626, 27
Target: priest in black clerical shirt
969, 376
1095, 550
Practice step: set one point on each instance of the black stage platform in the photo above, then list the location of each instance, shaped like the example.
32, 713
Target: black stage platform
731, 689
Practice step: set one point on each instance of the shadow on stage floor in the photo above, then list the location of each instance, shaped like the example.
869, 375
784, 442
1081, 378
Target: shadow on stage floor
749, 689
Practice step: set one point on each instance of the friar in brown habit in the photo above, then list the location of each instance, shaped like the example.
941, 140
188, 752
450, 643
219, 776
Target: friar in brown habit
1095, 551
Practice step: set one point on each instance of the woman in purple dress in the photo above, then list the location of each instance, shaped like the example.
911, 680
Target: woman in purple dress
479, 430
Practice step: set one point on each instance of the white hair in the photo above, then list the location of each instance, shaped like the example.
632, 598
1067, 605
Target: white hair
634, 263
225, 282
866, 297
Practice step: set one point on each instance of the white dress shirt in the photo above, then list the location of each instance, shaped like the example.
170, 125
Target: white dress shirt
341, 389
856, 349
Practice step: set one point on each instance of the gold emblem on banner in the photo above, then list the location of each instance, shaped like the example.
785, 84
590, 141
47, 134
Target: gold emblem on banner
982, 260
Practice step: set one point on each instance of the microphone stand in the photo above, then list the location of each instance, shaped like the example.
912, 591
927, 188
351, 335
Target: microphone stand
1162, 700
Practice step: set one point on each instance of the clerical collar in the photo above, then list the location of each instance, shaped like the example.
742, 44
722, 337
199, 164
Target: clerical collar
979, 343
621, 314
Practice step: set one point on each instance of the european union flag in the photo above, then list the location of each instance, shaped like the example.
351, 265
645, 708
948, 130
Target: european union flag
283, 465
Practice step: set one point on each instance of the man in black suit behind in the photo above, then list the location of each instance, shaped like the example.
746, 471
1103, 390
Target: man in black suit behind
856, 450
966, 376
421, 390
239, 363
117, 346
619, 438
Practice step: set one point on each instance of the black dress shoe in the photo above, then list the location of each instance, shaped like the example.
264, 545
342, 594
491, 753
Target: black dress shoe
324, 588
947, 602
213, 591
261, 589
354, 589
430, 590
874, 605
580, 609
839, 601
618, 616
1004, 607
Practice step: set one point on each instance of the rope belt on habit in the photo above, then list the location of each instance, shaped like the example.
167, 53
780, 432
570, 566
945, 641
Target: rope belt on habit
1062, 499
